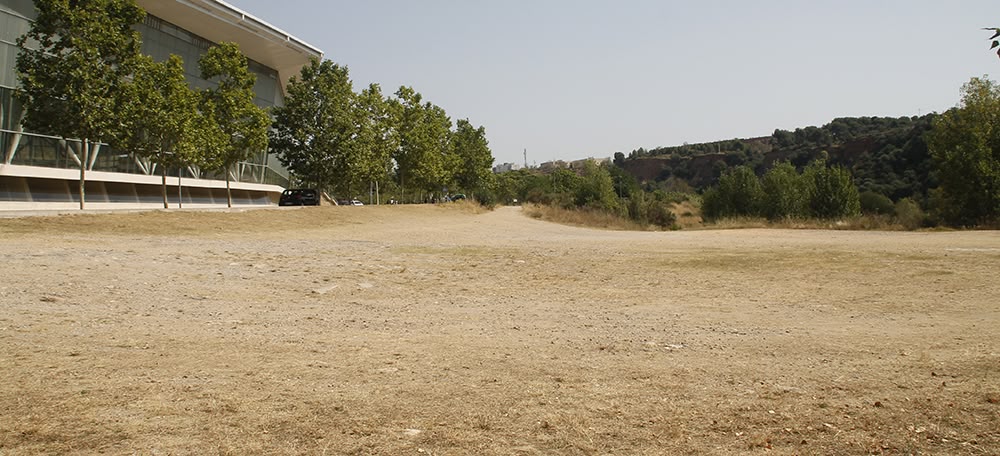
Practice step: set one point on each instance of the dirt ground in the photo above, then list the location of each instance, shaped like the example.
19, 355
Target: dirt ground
439, 331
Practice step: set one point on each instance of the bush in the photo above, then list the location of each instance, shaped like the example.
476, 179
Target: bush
876, 204
659, 214
908, 214
785, 194
652, 209
832, 193
739, 193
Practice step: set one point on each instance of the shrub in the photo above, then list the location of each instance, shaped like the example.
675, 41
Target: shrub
739, 193
784, 193
873, 203
832, 193
659, 214
908, 214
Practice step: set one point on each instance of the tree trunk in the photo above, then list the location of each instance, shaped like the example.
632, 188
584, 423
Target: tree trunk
180, 190
163, 175
83, 171
229, 192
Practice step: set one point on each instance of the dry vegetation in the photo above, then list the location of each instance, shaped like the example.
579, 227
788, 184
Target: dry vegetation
438, 330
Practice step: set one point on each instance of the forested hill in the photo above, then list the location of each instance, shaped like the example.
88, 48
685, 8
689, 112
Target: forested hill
886, 155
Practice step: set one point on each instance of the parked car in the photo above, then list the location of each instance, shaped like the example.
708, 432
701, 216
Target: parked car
357, 203
458, 197
299, 197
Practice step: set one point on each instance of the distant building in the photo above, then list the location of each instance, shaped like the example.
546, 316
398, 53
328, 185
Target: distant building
550, 166
503, 168
579, 164
38, 171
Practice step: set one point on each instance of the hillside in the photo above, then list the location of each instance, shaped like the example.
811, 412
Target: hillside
886, 155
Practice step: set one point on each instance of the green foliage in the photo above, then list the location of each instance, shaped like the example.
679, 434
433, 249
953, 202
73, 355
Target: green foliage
424, 159
330, 137
739, 193
908, 214
592, 189
785, 193
513, 186
79, 56
832, 193
651, 208
875, 204
659, 213
313, 131
377, 137
335, 139
596, 190
965, 144
161, 115
625, 183
72, 65
886, 155
820, 191
474, 173
243, 124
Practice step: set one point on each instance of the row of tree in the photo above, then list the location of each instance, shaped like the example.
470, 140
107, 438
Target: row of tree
340, 141
594, 187
82, 76
965, 145
948, 164
819, 191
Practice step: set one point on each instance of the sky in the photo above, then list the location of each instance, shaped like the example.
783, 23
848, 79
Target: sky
572, 79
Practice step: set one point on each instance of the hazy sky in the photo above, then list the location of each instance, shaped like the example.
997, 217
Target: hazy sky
569, 79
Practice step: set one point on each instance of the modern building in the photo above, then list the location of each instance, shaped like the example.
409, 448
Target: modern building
39, 171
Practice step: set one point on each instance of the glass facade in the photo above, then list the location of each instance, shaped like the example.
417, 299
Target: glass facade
160, 39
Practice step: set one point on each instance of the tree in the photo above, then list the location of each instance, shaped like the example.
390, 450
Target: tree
597, 191
512, 186
738, 193
964, 143
423, 159
832, 193
475, 160
619, 159
436, 170
313, 131
377, 136
71, 76
161, 116
873, 203
230, 104
784, 193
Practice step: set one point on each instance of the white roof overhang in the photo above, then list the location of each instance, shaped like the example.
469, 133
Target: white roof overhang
219, 21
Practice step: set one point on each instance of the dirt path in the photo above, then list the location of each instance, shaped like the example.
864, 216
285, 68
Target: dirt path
432, 330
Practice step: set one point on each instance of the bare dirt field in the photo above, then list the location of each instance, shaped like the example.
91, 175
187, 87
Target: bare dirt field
436, 330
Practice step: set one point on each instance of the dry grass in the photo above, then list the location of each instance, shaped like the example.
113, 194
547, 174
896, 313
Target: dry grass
438, 330
688, 214
582, 218
859, 223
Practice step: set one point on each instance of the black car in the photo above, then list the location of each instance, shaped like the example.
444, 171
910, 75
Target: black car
299, 197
